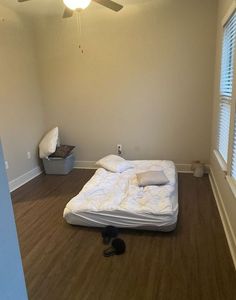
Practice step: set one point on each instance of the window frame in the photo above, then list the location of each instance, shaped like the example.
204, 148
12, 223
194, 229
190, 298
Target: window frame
227, 166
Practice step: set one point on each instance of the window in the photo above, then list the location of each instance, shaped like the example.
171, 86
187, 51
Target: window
226, 138
233, 168
226, 90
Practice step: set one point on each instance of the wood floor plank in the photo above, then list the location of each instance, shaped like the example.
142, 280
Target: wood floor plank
65, 262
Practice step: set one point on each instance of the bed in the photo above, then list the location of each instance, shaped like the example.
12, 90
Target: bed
116, 199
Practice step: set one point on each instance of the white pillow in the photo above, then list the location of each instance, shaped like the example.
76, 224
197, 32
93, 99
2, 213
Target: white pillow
114, 163
48, 144
152, 178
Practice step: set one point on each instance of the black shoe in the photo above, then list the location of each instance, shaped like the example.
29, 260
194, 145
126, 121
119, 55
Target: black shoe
108, 233
117, 248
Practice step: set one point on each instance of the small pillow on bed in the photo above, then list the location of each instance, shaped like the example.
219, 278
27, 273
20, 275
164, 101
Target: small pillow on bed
114, 163
152, 178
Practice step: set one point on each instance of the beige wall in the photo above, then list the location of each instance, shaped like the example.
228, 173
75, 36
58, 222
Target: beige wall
145, 79
21, 119
229, 201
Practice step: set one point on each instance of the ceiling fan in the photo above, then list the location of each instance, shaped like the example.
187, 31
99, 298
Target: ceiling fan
73, 5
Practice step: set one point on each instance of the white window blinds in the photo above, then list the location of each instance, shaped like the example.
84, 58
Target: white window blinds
226, 87
233, 167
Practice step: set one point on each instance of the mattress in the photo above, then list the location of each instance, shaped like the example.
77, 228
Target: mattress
116, 199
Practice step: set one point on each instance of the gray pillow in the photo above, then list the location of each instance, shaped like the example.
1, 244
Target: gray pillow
152, 178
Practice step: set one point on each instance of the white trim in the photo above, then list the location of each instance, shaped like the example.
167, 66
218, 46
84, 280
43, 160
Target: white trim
79, 164
229, 13
82, 164
181, 168
220, 160
23, 179
232, 184
186, 168
231, 239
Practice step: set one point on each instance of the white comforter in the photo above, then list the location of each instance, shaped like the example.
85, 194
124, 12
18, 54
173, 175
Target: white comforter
109, 192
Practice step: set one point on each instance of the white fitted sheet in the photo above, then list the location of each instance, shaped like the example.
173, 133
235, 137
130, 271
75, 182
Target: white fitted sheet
116, 199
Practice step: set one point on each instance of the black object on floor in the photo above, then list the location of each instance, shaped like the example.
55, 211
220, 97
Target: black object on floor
108, 233
118, 247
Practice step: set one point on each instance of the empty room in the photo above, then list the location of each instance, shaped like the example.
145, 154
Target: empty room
118, 149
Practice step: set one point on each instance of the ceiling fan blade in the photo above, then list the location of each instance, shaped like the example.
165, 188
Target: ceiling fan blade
22, 0
110, 4
68, 13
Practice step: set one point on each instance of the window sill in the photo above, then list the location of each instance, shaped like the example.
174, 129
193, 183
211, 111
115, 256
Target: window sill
232, 184
221, 162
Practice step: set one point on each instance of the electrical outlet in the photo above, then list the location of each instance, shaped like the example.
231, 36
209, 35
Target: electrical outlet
6, 165
119, 149
28, 155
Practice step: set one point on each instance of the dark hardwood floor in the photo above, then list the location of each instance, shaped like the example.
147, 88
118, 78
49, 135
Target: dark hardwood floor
65, 262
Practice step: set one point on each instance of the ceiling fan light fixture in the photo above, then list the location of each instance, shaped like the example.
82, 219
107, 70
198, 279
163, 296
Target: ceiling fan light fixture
77, 4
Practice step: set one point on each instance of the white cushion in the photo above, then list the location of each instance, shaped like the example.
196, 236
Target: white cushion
48, 144
152, 178
114, 163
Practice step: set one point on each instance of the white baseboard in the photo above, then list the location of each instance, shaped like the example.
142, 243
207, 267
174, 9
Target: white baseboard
186, 168
181, 168
231, 239
79, 164
23, 179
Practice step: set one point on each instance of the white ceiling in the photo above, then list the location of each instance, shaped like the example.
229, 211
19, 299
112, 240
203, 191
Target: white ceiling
54, 7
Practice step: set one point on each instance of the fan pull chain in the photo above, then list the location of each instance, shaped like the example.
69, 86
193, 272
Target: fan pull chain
79, 28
